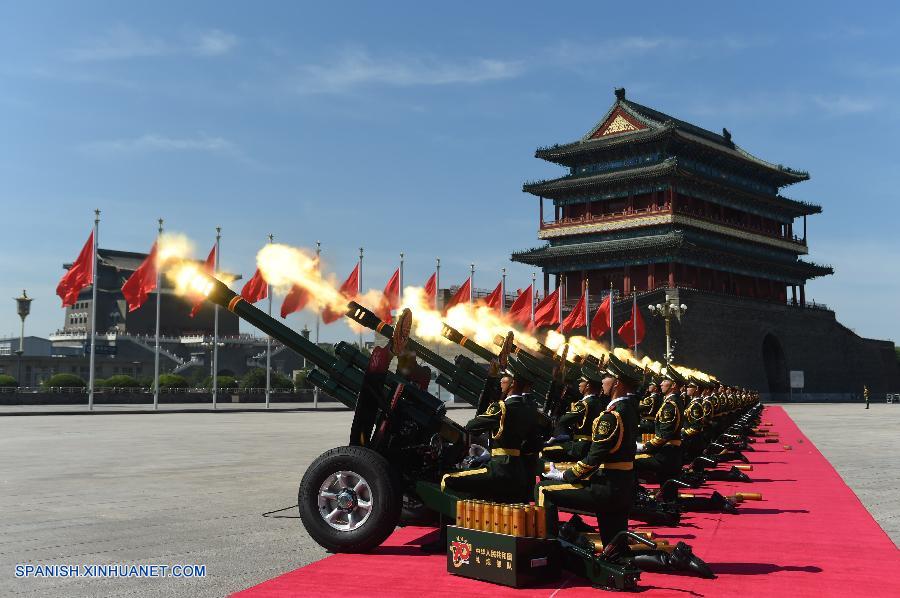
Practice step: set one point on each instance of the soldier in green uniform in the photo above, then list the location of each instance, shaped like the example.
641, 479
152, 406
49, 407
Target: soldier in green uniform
603, 481
649, 405
692, 432
661, 455
572, 435
514, 424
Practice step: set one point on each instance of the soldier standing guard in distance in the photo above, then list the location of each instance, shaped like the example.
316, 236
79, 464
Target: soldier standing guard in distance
603, 481
514, 424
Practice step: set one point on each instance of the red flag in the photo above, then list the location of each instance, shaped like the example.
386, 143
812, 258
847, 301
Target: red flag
520, 310
210, 267
633, 329
493, 300
431, 289
256, 288
391, 298
142, 282
600, 321
546, 313
349, 289
80, 275
295, 300
462, 295
576, 319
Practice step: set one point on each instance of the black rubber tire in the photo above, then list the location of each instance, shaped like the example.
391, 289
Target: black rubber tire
385, 499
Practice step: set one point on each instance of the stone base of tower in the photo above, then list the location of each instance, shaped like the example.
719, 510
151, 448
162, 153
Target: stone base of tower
756, 344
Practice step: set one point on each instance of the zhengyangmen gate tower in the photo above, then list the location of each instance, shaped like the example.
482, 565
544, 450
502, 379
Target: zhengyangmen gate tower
658, 205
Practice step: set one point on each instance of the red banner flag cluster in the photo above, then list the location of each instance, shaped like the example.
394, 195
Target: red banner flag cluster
576, 319
495, 298
463, 295
390, 299
80, 275
209, 266
350, 289
632, 331
546, 313
600, 324
256, 288
520, 310
295, 300
431, 289
142, 282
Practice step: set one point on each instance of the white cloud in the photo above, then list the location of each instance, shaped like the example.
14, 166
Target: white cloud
215, 43
840, 105
160, 143
356, 67
124, 43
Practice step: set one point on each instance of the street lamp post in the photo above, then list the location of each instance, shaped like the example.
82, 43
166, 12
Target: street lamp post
667, 310
23, 307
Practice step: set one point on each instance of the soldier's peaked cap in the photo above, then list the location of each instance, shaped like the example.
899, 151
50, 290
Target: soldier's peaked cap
674, 375
623, 370
591, 373
517, 370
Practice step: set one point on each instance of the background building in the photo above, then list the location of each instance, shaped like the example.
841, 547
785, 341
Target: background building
653, 204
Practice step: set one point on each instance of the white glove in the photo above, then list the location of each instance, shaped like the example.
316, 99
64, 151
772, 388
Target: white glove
640, 446
476, 450
553, 474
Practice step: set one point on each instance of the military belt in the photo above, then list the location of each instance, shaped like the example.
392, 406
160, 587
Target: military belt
582, 437
620, 465
501, 452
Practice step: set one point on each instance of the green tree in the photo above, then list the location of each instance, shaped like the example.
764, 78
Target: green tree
300, 381
7, 381
172, 381
121, 381
256, 378
64, 381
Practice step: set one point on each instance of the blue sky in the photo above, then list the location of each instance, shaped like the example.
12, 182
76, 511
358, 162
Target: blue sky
410, 126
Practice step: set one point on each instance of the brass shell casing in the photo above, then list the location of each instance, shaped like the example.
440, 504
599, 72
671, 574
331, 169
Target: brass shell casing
478, 515
529, 530
487, 518
460, 513
540, 520
496, 518
470, 514
518, 520
506, 520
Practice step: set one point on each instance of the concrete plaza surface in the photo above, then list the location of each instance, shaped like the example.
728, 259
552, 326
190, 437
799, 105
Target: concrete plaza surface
190, 488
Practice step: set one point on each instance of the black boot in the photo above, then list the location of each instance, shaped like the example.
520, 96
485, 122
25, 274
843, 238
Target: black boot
732, 475
684, 559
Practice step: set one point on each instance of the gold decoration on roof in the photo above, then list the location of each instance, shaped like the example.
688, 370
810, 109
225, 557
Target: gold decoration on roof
619, 125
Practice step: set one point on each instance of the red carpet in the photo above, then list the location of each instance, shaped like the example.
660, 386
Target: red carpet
810, 536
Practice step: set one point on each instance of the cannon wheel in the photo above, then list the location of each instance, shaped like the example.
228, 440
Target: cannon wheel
348, 499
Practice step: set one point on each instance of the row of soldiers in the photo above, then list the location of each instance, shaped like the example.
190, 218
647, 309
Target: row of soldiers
598, 437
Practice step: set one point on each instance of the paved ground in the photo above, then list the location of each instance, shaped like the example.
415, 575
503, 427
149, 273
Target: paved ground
191, 488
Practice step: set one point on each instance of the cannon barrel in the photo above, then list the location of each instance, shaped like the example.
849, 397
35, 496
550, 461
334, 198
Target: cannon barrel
463, 380
452, 334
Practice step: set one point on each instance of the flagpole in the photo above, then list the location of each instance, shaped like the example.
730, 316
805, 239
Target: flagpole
400, 286
634, 318
359, 292
503, 292
587, 308
318, 320
437, 293
269, 341
612, 333
91, 377
156, 356
215, 351
533, 278
562, 293
472, 283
